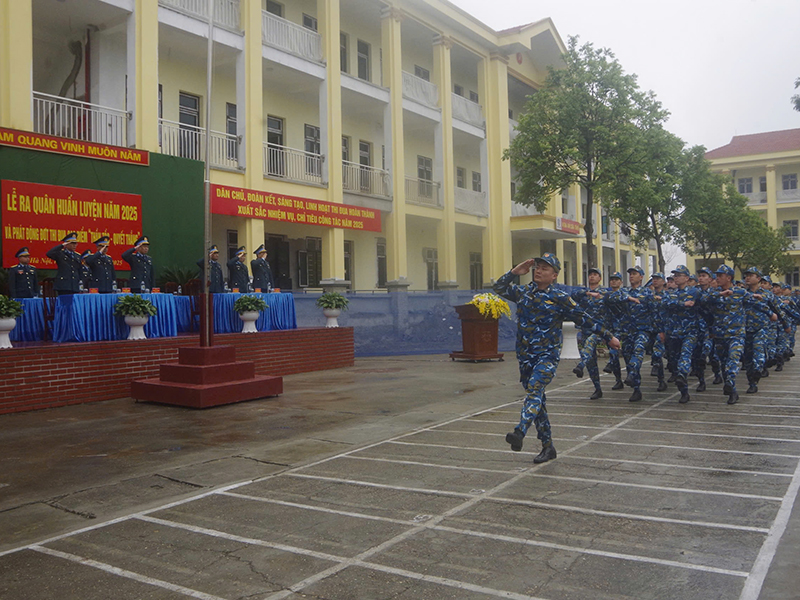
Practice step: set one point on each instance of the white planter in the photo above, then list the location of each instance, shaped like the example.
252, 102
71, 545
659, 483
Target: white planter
249, 319
137, 327
331, 314
6, 325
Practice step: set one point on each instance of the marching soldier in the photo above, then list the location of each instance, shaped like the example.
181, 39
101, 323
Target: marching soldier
262, 273
22, 282
101, 265
614, 322
659, 351
541, 311
68, 277
759, 316
704, 350
681, 328
238, 275
216, 281
590, 301
141, 265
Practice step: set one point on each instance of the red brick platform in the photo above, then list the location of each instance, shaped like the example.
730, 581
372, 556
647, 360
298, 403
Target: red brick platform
37, 375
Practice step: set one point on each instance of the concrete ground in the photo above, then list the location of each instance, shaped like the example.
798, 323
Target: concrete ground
392, 479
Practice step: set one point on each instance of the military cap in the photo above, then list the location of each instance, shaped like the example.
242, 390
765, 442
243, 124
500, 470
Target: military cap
774, 283
670, 278
766, 278
594, 270
213, 249
681, 270
22, 252
753, 270
657, 274
638, 270
140, 241
616, 275
692, 277
86, 253
725, 270
707, 271
551, 259
241, 251
786, 286
259, 250
102, 241
70, 237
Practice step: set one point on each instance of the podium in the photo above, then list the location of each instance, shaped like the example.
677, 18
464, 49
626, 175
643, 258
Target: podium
478, 335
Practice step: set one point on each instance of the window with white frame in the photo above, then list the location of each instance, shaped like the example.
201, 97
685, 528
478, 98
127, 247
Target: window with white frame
793, 277
458, 90
745, 185
473, 96
762, 184
475, 271
424, 73
381, 257
232, 145
344, 57
791, 228
476, 181
461, 177
790, 181
363, 49
431, 258
274, 7
310, 22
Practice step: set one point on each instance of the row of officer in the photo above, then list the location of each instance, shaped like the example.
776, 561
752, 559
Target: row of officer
238, 275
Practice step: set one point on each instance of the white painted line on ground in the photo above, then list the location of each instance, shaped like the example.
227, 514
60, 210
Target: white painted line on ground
692, 422
758, 573
126, 574
713, 435
438, 466
548, 412
726, 412
745, 404
386, 486
696, 449
603, 553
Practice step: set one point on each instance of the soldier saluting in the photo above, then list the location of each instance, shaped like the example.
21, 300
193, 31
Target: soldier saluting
22, 282
141, 265
101, 266
216, 282
262, 273
68, 277
238, 275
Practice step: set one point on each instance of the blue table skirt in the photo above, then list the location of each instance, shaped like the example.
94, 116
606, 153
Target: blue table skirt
90, 318
30, 326
279, 314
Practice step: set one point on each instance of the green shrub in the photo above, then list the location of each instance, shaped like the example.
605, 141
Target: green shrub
134, 306
249, 304
333, 300
10, 308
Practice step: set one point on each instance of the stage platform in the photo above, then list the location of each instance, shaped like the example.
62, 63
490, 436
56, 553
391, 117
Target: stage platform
35, 375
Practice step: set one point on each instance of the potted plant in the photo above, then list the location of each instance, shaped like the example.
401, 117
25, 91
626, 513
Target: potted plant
10, 309
249, 308
479, 327
137, 311
332, 305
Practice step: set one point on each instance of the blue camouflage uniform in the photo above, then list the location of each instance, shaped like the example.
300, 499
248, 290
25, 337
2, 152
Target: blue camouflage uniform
540, 315
614, 321
587, 339
758, 326
659, 317
728, 328
680, 327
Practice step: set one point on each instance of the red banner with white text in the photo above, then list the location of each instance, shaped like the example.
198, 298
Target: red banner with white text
38, 216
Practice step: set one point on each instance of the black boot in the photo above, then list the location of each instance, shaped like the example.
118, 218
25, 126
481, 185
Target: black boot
597, 395
618, 385
629, 380
701, 387
515, 439
672, 378
764, 373
779, 368
752, 389
578, 370
684, 396
636, 396
547, 453
717, 379
662, 386
727, 389
733, 398
654, 371
608, 368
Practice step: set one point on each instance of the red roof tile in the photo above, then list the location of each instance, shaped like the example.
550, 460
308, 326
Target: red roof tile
758, 143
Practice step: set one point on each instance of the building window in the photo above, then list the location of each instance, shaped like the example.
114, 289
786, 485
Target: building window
475, 271
274, 8
473, 96
363, 60
343, 54
365, 160
461, 177
309, 263
564, 203
762, 184
476, 181
513, 190
313, 164
790, 182
425, 176
276, 153
791, 228
345, 148
510, 114
431, 258
423, 73
383, 157
381, 255
745, 185
793, 277
232, 237
604, 224
348, 262
232, 144
310, 22
189, 118
458, 90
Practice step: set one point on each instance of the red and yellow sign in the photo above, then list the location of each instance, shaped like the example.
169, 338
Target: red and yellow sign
49, 143
568, 226
38, 216
241, 202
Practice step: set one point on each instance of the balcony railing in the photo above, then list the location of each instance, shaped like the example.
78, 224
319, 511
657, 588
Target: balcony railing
226, 12
293, 164
363, 179
423, 191
188, 141
424, 92
756, 197
291, 37
520, 210
471, 202
68, 118
467, 110
789, 195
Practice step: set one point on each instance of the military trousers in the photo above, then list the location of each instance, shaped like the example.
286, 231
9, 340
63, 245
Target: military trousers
589, 357
755, 353
729, 352
633, 349
536, 372
680, 351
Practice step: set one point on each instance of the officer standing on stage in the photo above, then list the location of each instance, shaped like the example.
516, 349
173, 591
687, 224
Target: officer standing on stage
141, 265
22, 282
541, 311
68, 277
101, 265
238, 275
681, 328
262, 273
86, 273
216, 281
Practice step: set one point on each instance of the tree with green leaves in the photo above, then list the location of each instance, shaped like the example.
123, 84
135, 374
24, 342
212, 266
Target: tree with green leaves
796, 97
581, 127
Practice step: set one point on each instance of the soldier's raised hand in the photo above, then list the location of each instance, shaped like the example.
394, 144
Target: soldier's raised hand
524, 267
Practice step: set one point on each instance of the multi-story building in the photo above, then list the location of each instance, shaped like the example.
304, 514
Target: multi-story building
764, 168
403, 108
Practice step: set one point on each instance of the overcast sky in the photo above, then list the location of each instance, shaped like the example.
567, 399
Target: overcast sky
722, 68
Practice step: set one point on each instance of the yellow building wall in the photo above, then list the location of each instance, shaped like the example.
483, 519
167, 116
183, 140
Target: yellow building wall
296, 111
366, 131
367, 32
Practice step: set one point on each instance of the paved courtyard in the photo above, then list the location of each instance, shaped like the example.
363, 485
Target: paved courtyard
392, 479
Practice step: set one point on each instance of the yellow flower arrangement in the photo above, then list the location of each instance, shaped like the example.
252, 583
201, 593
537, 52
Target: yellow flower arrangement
490, 305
